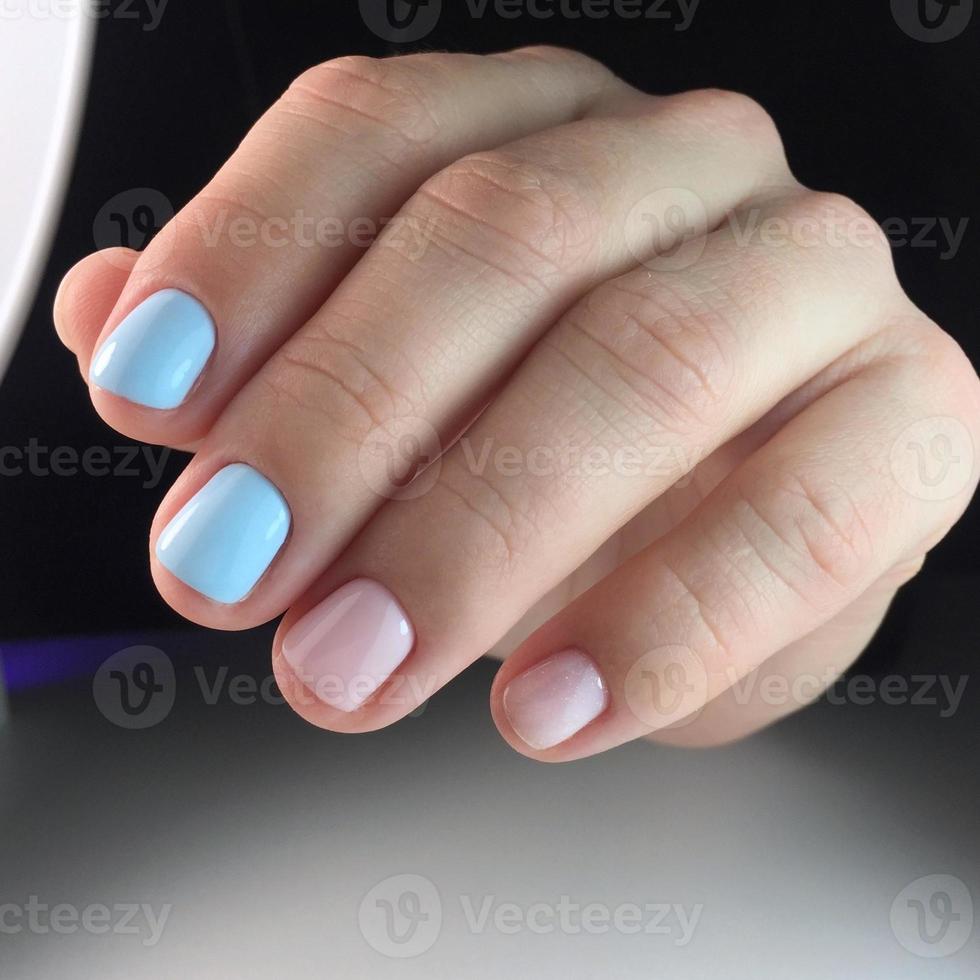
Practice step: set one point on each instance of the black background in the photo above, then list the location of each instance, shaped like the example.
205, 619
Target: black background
864, 109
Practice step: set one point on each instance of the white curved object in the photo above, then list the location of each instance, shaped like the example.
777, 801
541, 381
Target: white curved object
45, 52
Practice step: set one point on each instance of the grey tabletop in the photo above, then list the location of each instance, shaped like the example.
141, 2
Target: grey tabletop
217, 835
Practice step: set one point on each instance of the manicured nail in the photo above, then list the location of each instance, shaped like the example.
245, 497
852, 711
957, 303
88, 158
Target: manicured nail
551, 702
345, 648
225, 537
157, 353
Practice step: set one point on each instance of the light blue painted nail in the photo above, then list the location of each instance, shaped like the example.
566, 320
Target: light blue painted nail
225, 537
157, 353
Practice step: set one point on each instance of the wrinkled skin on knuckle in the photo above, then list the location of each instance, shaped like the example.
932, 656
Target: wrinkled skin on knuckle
536, 216
320, 382
357, 93
658, 350
807, 529
496, 531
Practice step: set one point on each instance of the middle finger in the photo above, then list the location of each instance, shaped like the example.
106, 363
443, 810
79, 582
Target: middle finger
476, 266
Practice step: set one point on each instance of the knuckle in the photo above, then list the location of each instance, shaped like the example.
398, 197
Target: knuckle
838, 222
832, 206
233, 196
903, 573
723, 109
534, 218
726, 104
807, 530
669, 355
931, 361
952, 369
323, 374
497, 531
384, 94
554, 54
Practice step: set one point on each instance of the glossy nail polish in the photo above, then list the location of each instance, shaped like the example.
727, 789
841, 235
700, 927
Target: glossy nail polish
346, 647
555, 699
157, 352
225, 537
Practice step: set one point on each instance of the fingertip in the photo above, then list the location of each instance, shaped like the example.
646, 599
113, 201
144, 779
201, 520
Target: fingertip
312, 709
87, 295
546, 710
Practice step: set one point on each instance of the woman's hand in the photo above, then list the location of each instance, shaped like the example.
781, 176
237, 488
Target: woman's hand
664, 352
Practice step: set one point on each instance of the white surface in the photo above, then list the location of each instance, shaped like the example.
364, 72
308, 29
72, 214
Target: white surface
275, 849
45, 50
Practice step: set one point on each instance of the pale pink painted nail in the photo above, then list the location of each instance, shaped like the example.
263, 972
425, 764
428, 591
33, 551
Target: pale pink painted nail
345, 648
551, 702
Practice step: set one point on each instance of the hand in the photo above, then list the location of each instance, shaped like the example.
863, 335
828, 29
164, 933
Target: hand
707, 436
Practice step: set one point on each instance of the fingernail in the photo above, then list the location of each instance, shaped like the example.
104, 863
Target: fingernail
345, 648
551, 702
157, 353
225, 537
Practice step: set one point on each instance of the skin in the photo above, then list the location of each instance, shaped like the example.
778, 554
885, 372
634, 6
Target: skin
770, 376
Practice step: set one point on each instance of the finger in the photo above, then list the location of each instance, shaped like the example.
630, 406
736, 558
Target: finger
259, 249
650, 373
413, 345
669, 509
87, 294
786, 543
794, 677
